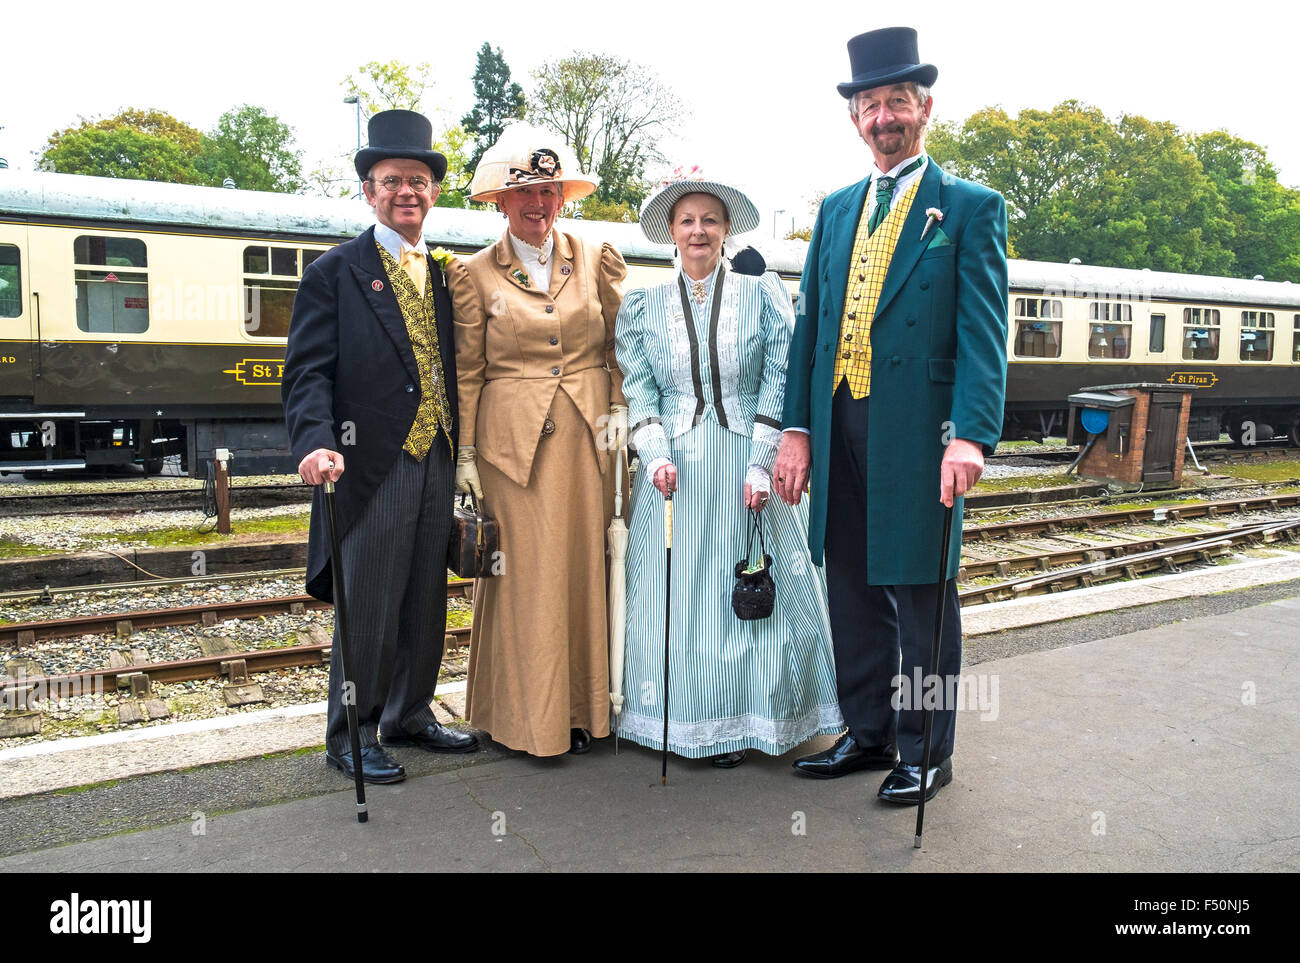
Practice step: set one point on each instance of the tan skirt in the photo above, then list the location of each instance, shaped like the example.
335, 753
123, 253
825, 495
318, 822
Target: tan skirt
539, 649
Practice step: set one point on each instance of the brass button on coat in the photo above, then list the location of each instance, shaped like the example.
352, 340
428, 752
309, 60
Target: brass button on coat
548, 427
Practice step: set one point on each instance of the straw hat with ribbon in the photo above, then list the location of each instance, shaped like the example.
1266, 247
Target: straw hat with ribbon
654, 212
525, 155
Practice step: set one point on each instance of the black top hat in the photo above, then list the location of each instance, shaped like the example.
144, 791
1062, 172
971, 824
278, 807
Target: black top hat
400, 133
884, 57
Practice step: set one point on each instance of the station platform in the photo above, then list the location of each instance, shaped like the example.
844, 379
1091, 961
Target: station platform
1157, 737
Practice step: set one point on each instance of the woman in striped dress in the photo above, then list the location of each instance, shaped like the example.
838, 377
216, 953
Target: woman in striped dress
703, 358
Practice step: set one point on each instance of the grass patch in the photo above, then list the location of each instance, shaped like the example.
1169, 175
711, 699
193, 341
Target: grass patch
290, 753
73, 790
19, 550
1013, 483
459, 618
1281, 470
166, 537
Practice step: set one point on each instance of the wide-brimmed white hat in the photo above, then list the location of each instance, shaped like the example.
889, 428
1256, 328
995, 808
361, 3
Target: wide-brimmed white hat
525, 155
654, 212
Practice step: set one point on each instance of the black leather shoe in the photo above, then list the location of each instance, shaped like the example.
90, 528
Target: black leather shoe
377, 766
903, 785
730, 760
435, 738
846, 756
579, 741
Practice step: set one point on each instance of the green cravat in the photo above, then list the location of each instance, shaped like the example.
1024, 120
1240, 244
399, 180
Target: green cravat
885, 194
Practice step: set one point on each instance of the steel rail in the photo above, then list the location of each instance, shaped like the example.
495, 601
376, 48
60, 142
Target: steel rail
15, 633
1203, 549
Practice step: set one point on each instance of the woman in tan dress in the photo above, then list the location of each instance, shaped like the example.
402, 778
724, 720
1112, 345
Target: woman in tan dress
540, 401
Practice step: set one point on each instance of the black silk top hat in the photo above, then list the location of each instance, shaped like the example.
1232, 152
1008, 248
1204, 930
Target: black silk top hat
400, 133
880, 58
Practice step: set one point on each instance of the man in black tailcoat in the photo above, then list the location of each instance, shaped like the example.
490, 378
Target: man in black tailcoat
370, 401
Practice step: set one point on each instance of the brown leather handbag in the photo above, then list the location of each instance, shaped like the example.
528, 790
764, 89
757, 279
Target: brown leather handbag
475, 544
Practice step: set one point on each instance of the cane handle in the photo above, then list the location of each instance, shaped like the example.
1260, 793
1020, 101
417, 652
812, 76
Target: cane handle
668, 520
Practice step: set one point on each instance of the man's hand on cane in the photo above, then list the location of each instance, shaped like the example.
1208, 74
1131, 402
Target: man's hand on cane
962, 466
321, 465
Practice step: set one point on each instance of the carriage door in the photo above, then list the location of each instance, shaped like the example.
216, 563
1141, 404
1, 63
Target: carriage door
16, 319
1162, 436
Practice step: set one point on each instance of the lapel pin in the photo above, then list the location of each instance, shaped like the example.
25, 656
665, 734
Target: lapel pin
565, 269
521, 277
932, 216
376, 285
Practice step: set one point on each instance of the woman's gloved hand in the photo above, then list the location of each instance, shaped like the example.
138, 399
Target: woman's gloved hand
467, 472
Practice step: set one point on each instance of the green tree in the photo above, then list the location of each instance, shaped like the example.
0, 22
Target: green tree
611, 113
496, 99
1265, 215
254, 149
136, 144
594, 209
1126, 193
389, 86
454, 144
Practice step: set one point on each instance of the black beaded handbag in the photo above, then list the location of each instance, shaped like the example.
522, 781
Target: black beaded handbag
754, 594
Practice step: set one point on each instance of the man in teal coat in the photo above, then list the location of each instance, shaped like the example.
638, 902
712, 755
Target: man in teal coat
902, 323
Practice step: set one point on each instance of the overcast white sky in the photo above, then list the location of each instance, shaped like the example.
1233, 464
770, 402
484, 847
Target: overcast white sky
758, 78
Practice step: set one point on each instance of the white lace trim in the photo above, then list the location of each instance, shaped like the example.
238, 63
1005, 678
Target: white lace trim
687, 738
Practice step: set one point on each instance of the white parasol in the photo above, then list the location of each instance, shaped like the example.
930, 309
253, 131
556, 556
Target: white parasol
617, 536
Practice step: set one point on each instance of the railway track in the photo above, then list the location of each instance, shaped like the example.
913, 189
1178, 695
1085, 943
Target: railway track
127, 501
1128, 561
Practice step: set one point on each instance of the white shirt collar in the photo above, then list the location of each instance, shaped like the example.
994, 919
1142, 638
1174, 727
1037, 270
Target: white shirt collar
537, 261
395, 244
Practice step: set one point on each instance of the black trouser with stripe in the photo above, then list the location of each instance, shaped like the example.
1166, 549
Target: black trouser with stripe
880, 631
395, 571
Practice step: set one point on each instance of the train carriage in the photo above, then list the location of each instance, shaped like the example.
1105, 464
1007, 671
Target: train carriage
1237, 342
140, 320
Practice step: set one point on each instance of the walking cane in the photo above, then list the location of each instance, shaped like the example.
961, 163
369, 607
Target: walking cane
668, 589
341, 617
934, 669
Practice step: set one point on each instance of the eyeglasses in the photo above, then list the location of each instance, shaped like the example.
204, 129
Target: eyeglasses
392, 183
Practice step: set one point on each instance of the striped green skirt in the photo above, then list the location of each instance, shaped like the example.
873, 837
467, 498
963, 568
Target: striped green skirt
767, 684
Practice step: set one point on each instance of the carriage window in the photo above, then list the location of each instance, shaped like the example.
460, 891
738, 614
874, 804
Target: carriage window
1256, 336
1200, 334
1295, 339
11, 288
270, 279
1157, 343
112, 301
1113, 340
1038, 327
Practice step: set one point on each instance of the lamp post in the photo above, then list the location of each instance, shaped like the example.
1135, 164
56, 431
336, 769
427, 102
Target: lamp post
775, 214
354, 99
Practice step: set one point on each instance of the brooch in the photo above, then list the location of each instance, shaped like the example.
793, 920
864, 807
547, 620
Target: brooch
376, 285
932, 216
521, 277
565, 269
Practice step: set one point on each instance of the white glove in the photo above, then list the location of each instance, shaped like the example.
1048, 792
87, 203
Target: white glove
758, 487
616, 436
467, 472
759, 479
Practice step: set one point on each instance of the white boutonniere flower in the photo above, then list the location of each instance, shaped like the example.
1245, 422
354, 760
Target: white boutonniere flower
442, 257
932, 216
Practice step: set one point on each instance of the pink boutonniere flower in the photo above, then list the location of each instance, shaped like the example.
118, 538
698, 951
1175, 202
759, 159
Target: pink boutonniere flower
932, 216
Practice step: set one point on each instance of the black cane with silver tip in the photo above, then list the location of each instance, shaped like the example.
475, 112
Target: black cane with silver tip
934, 670
341, 618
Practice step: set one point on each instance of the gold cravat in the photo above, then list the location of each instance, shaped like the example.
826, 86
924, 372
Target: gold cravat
416, 268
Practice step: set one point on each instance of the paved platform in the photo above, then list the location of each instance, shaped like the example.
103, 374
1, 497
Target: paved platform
1171, 749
